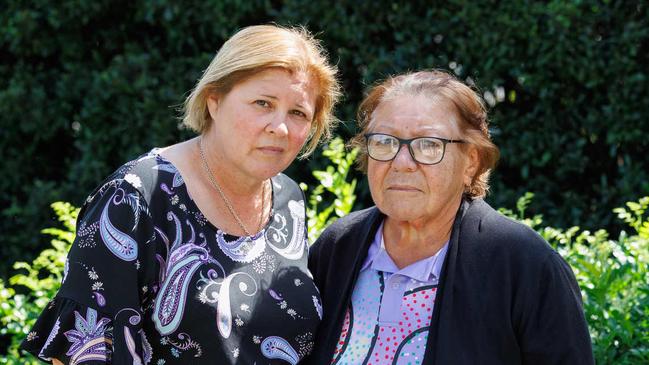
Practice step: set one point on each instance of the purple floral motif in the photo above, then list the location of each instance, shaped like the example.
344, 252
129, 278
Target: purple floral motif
146, 348
186, 343
183, 259
318, 305
243, 249
275, 295
101, 300
90, 338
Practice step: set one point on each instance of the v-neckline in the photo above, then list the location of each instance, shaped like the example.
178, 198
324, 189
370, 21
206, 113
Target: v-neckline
193, 206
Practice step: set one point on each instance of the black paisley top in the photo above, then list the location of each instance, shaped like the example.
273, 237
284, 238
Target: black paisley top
150, 281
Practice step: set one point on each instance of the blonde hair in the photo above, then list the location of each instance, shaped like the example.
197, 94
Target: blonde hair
255, 49
473, 122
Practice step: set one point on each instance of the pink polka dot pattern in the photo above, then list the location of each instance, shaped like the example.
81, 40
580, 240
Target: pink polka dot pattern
366, 302
406, 340
402, 342
343, 335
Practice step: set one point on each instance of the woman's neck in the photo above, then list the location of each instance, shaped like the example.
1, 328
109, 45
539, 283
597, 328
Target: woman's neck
250, 202
235, 184
407, 242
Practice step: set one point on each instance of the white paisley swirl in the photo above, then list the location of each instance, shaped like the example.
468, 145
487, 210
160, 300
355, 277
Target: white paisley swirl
223, 311
294, 250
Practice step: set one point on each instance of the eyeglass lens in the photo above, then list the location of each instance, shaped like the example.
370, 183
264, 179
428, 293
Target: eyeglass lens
424, 150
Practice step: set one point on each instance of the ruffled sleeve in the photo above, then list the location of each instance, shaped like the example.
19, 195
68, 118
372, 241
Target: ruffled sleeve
96, 317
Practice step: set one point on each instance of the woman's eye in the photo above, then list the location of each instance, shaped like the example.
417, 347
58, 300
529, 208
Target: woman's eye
299, 113
263, 103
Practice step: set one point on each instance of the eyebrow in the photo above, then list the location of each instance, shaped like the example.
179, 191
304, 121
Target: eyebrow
276, 98
392, 128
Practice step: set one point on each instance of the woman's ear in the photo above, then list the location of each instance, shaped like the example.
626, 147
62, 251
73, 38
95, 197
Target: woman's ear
212, 101
473, 161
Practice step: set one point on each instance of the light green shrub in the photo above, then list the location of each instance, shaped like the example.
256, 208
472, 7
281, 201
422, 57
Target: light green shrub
614, 279
36, 283
333, 180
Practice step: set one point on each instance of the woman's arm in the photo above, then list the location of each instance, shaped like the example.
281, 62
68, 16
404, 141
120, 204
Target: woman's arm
554, 328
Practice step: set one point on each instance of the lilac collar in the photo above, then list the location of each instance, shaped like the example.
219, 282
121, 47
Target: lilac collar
425, 269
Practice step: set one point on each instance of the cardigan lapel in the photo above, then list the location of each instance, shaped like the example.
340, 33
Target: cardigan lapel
444, 298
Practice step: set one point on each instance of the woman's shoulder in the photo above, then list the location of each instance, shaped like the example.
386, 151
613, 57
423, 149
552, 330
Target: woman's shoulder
286, 189
354, 220
354, 227
283, 182
489, 230
140, 175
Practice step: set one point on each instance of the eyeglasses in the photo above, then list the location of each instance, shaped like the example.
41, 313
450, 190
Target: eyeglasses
424, 150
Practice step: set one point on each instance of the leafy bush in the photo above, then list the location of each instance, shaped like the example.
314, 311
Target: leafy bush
614, 279
31, 290
87, 85
334, 181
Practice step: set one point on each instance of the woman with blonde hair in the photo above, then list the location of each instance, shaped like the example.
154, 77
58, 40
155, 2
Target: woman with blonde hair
197, 252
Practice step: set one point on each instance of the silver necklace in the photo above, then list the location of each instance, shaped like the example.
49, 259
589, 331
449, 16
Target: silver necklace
227, 202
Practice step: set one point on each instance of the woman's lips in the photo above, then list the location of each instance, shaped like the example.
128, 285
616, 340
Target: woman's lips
272, 149
404, 188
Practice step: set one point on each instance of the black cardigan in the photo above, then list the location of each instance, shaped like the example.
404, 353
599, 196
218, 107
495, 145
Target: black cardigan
505, 296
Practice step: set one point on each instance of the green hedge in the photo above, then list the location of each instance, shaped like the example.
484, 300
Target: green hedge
87, 85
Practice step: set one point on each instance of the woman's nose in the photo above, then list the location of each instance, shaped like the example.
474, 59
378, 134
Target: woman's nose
403, 159
277, 124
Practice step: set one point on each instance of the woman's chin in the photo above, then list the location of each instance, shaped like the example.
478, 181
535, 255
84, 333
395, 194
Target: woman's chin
401, 214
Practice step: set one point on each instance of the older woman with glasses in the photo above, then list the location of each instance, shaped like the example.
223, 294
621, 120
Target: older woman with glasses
432, 274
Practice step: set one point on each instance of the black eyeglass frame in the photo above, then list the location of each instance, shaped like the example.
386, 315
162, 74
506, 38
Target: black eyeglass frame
408, 142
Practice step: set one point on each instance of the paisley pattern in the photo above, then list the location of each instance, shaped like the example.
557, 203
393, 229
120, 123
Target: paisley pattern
150, 281
184, 260
118, 242
243, 249
177, 179
290, 247
274, 347
318, 305
224, 315
130, 344
52, 335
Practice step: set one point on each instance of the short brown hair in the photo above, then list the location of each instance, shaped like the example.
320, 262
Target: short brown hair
469, 105
255, 49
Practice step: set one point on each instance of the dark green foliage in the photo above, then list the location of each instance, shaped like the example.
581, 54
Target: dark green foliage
567, 81
87, 85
